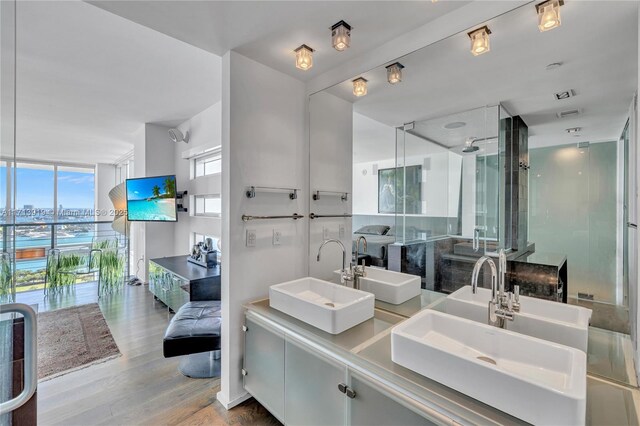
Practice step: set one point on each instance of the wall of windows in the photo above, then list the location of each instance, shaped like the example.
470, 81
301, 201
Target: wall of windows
48, 192
45, 193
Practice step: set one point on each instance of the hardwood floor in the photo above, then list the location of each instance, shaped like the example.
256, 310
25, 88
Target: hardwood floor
140, 387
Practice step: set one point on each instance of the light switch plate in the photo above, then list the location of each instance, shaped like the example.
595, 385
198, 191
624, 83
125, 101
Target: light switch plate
341, 232
251, 238
325, 233
277, 237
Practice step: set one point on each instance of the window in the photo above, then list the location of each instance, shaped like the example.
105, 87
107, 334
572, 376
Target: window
208, 205
208, 165
35, 192
200, 238
76, 193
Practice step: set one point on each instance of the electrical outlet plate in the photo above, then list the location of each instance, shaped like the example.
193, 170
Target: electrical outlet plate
277, 237
251, 238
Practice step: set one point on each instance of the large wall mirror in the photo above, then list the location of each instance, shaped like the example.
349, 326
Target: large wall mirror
523, 148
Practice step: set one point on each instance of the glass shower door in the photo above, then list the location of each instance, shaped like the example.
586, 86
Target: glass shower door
446, 194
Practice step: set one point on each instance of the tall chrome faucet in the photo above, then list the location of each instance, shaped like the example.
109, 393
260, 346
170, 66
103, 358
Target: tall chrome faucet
476, 272
357, 251
358, 271
502, 305
344, 275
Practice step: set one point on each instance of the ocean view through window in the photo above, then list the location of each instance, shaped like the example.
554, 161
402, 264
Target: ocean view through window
46, 193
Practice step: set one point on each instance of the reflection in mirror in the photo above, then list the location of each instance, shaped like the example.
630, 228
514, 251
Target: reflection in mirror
524, 148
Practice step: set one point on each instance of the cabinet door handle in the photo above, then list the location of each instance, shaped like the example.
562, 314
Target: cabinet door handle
346, 390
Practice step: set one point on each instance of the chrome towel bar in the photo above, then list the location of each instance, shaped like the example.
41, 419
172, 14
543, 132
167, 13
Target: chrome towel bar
317, 216
295, 216
344, 196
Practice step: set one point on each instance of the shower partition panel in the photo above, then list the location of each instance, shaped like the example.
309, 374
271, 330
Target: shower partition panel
447, 205
573, 211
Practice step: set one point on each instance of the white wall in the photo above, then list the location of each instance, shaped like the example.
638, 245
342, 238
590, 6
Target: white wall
330, 169
105, 180
263, 143
205, 130
159, 159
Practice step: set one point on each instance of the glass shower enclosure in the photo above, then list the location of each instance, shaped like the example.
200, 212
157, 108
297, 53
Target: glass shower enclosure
447, 195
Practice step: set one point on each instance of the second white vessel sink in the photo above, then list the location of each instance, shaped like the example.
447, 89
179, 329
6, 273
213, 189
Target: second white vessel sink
389, 286
330, 307
537, 381
553, 321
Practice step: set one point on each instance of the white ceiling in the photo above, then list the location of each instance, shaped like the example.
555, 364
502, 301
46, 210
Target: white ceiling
88, 79
269, 31
597, 44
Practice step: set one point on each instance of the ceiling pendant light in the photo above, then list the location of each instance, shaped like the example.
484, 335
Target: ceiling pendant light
360, 86
341, 36
304, 57
549, 14
480, 40
394, 73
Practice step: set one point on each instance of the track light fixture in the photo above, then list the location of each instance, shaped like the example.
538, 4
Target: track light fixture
341, 36
304, 57
394, 72
549, 14
480, 40
360, 86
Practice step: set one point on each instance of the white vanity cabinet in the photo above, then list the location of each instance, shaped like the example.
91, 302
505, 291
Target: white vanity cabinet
311, 395
374, 405
301, 385
263, 368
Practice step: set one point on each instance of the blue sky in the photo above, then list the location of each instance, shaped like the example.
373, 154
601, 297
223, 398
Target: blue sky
35, 187
139, 189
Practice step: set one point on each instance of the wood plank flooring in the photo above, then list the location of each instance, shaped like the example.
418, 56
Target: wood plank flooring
141, 387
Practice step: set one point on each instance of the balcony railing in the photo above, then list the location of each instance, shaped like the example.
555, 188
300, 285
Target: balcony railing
28, 244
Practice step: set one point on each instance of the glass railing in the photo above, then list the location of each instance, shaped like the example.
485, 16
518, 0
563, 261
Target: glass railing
27, 247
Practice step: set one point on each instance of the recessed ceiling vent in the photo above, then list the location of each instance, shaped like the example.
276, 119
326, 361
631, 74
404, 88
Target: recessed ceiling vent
455, 125
568, 113
564, 95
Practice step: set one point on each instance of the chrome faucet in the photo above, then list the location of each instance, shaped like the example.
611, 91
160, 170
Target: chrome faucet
476, 272
344, 275
502, 305
357, 251
358, 271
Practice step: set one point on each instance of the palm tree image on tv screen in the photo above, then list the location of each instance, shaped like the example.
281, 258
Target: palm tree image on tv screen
152, 199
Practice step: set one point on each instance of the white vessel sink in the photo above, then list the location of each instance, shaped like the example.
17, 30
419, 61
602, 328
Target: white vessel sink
553, 321
537, 381
389, 286
330, 307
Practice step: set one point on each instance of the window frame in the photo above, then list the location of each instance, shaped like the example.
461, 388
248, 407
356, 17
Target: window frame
13, 163
204, 213
210, 157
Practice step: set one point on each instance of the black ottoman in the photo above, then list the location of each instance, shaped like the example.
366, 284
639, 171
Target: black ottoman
195, 331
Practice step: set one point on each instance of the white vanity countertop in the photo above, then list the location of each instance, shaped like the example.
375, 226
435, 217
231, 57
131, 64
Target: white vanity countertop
367, 347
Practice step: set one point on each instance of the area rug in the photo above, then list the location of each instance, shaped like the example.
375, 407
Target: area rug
73, 338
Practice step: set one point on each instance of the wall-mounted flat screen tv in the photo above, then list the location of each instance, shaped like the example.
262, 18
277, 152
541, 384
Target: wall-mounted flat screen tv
152, 199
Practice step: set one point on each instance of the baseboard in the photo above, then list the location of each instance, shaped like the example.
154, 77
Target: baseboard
232, 403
